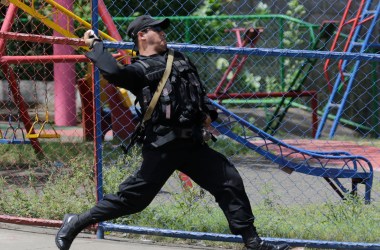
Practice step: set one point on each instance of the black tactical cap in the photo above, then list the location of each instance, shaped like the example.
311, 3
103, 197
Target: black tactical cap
143, 22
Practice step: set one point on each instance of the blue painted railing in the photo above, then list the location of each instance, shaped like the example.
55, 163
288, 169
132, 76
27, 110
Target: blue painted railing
357, 166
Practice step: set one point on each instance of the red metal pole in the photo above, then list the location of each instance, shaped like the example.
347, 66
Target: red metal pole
43, 59
11, 77
251, 37
225, 75
334, 43
7, 25
108, 21
314, 107
30, 221
86, 95
111, 27
239, 68
123, 122
350, 35
34, 221
232, 64
186, 181
41, 38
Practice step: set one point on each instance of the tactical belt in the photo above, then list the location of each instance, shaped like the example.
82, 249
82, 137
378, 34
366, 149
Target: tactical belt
181, 133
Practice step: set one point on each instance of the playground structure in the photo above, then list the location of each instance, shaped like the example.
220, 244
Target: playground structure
324, 34
120, 118
368, 12
119, 96
331, 166
251, 37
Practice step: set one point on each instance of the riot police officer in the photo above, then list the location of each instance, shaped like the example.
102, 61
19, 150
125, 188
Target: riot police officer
172, 139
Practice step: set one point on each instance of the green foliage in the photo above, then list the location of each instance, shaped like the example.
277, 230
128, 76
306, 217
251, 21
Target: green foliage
210, 31
189, 210
75, 186
292, 38
261, 9
62, 185
82, 9
247, 80
154, 8
229, 147
209, 8
115, 171
204, 219
349, 220
70, 188
24, 155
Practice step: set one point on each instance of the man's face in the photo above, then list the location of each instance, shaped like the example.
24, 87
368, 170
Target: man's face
156, 38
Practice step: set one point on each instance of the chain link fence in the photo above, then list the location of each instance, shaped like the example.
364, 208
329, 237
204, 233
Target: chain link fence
296, 84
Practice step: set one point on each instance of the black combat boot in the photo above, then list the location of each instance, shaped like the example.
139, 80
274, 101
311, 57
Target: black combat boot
71, 227
252, 241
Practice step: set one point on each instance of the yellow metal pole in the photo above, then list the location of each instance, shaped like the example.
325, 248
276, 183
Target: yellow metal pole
34, 13
44, 20
77, 18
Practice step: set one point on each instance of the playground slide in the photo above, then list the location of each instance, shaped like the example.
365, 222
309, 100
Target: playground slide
331, 166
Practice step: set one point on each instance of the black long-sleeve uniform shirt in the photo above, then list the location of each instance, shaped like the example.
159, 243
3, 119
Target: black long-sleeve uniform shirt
129, 76
132, 76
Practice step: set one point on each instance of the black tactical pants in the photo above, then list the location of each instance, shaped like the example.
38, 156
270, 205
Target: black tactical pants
208, 168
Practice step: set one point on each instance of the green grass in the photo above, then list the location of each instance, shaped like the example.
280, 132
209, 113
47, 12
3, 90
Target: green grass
49, 190
24, 155
351, 220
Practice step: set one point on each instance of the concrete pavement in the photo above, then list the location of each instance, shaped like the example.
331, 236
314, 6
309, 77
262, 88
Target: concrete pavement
18, 237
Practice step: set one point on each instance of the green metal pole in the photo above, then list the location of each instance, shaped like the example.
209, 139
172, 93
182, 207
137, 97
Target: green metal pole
187, 31
282, 63
235, 17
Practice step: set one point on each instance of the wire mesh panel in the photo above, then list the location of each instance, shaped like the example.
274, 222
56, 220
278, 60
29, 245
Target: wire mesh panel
46, 157
295, 83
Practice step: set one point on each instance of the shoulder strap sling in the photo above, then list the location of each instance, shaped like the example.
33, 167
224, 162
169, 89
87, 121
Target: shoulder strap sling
160, 87
153, 102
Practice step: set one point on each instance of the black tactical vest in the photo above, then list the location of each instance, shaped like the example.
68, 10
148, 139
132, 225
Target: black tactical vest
181, 104
182, 100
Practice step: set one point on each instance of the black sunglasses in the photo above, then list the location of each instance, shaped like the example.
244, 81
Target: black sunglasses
154, 28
